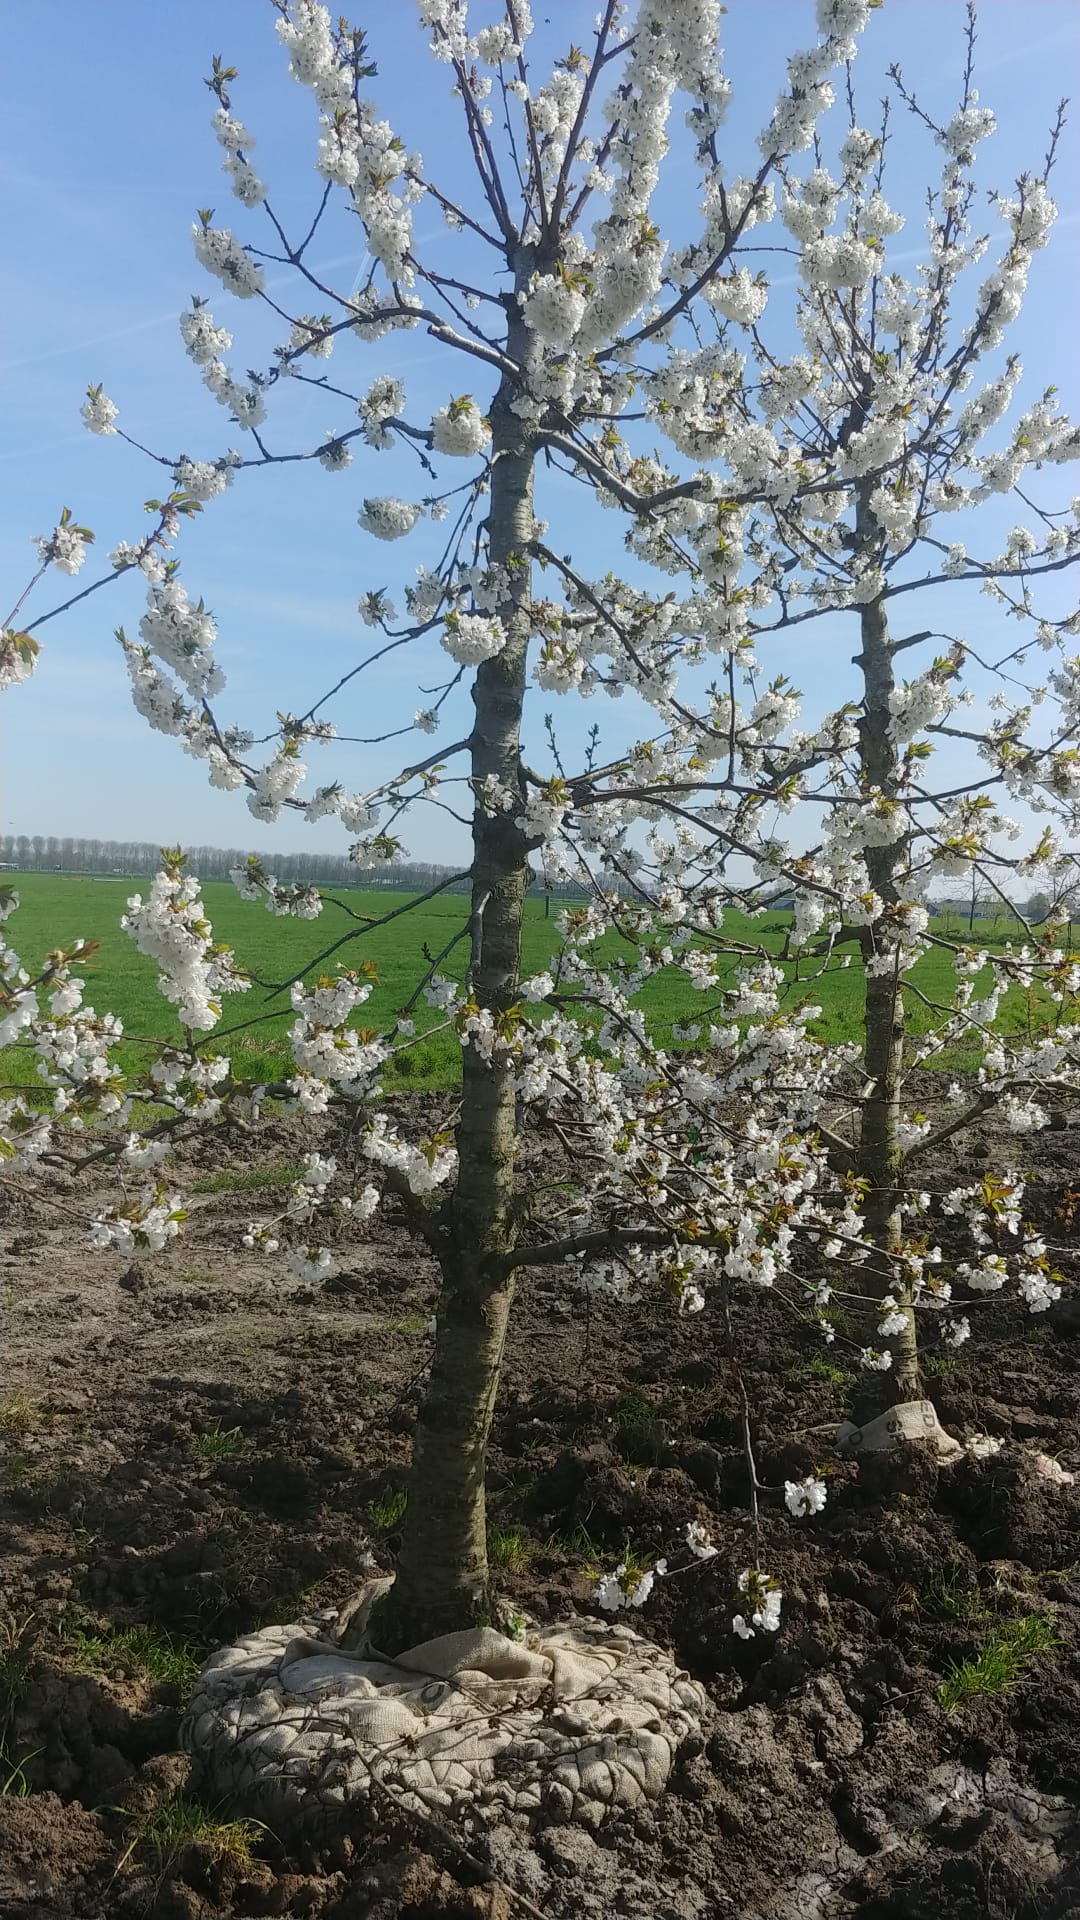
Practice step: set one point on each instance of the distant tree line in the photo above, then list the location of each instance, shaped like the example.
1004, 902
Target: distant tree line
983, 904
47, 853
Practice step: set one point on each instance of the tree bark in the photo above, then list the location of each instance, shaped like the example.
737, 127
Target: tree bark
880, 1160
442, 1582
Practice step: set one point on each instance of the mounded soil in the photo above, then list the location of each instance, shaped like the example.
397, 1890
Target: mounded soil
196, 1445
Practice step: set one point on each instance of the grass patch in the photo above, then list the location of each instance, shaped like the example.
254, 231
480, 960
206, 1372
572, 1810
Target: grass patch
248, 1179
632, 1408
1000, 1663
50, 1491
388, 1510
640, 1433
578, 1544
148, 1652
58, 907
509, 1548
16, 1656
411, 1323
220, 1443
821, 1368
13, 1776
840, 1379
831, 1320
21, 1413
183, 1823
951, 1595
291, 1603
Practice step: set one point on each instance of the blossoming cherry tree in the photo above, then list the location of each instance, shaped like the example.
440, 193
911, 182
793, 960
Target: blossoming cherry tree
775, 467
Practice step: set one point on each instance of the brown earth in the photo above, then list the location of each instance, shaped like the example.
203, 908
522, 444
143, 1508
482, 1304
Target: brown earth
195, 1445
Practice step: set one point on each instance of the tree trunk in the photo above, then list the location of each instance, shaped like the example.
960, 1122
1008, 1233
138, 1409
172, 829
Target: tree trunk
442, 1580
881, 1156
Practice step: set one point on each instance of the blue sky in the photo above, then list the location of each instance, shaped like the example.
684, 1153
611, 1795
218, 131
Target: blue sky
104, 157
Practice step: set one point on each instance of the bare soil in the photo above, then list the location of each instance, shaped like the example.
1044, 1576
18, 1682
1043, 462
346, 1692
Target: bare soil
195, 1446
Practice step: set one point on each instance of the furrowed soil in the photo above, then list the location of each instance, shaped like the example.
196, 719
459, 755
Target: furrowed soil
195, 1445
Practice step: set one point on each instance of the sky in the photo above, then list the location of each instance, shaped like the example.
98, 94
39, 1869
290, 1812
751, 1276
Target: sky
104, 157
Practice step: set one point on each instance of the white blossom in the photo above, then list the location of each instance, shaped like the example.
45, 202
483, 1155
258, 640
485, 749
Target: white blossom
171, 927
803, 1497
698, 1541
389, 519
460, 428
64, 548
470, 638
627, 1586
764, 1600
98, 411
221, 254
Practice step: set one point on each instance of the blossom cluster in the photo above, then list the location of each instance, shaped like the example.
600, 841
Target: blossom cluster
460, 429
357, 149
389, 519
219, 251
171, 928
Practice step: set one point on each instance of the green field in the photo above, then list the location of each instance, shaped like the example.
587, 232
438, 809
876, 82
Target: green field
57, 909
